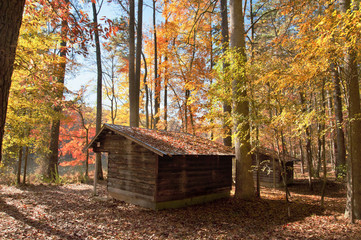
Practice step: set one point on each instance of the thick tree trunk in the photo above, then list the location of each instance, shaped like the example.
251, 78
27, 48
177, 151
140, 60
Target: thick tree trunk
227, 108
98, 162
11, 12
53, 157
133, 90
353, 204
54, 149
244, 178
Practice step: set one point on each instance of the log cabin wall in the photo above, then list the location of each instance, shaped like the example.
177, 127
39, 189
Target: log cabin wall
131, 170
270, 170
182, 177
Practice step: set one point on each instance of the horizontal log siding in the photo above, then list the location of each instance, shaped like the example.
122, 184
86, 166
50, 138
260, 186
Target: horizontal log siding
131, 167
183, 177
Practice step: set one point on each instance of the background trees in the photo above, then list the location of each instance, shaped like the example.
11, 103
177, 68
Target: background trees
297, 93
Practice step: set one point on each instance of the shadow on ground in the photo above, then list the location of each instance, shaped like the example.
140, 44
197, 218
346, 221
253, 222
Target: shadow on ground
74, 214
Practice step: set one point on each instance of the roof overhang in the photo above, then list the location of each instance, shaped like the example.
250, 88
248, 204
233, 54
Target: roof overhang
145, 145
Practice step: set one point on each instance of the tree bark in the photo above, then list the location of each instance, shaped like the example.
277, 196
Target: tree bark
11, 13
156, 77
340, 136
323, 141
244, 178
227, 108
19, 165
133, 90
302, 157
138, 53
353, 202
25, 163
186, 97
53, 157
308, 145
98, 161
146, 92
166, 77
331, 141
86, 176
165, 102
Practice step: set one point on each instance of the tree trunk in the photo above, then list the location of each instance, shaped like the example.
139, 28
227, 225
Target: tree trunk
244, 178
353, 204
308, 145
151, 108
282, 165
340, 136
54, 151
192, 120
323, 141
146, 92
11, 13
53, 157
86, 176
98, 162
133, 90
19, 165
227, 108
156, 77
302, 157
25, 163
138, 53
113, 99
319, 149
331, 141
187, 94
165, 102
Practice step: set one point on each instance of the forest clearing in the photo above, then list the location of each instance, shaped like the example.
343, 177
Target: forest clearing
170, 103
70, 211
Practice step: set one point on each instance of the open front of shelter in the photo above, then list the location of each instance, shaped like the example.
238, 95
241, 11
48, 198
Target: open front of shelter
159, 169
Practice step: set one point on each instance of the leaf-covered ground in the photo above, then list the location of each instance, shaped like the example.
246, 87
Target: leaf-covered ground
70, 212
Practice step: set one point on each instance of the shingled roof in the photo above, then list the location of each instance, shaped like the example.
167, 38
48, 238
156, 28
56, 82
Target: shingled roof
166, 143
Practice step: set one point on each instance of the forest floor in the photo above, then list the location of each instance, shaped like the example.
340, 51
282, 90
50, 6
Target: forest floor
71, 212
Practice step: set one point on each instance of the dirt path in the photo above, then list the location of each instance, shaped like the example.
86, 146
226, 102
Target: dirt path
70, 212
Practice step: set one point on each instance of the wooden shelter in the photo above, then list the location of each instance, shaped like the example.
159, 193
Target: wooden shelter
271, 168
159, 169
